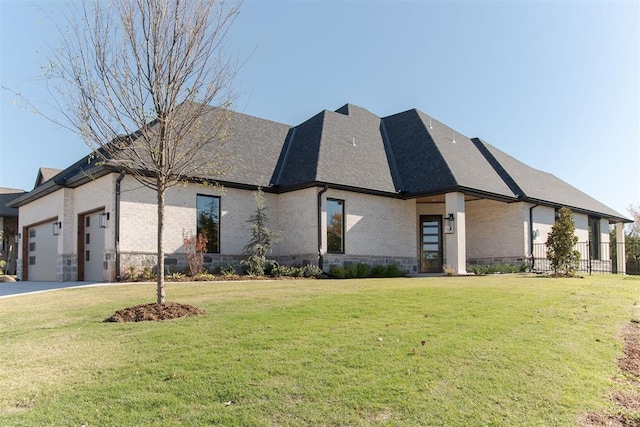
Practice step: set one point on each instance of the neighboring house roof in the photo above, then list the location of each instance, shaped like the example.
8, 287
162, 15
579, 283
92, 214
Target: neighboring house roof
45, 174
405, 155
7, 195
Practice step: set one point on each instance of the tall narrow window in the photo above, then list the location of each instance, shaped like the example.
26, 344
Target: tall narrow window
208, 208
594, 237
335, 226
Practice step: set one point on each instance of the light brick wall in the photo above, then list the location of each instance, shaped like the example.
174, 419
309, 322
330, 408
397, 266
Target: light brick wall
96, 195
375, 226
495, 229
139, 217
582, 227
297, 219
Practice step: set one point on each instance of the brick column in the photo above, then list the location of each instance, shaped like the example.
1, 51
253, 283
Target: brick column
620, 249
456, 242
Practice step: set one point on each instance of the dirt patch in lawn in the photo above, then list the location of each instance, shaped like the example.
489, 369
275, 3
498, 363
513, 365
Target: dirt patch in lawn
628, 403
630, 362
155, 312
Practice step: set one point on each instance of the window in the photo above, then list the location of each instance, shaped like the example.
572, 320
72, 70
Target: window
87, 221
208, 208
594, 237
335, 226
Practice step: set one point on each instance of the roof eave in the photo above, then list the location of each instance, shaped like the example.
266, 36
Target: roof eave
614, 218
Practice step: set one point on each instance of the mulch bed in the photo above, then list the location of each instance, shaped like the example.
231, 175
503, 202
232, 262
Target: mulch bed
155, 312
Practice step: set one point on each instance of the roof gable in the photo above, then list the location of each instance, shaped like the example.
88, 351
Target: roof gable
45, 174
413, 148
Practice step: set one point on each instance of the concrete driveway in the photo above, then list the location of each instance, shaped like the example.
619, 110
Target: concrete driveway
9, 289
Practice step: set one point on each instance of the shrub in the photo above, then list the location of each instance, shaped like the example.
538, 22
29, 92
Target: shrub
481, 270
147, 274
449, 271
229, 271
393, 270
378, 271
363, 270
280, 271
561, 243
175, 276
351, 270
338, 272
311, 271
204, 277
195, 246
253, 265
262, 238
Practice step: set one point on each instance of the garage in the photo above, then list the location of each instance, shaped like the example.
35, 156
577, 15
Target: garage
42, 252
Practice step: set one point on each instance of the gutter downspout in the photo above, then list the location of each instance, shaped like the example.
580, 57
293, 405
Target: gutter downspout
320, 256
117, 225
533, 258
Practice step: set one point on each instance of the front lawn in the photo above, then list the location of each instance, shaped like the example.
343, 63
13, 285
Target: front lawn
455, 351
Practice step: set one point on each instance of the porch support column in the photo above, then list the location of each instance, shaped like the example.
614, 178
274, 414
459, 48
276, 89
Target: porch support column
620, 249
456, 241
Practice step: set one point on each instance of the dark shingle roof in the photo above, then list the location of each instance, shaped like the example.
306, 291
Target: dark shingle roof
429, 161
545, 187
253, 149
6, 196
404, 155
343, 148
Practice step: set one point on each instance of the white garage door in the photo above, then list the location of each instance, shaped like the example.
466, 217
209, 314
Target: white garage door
43, 252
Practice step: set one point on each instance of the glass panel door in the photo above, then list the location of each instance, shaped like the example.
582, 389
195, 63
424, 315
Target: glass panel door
430, 244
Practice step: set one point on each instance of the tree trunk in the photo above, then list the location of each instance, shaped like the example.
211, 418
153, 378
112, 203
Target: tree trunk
161, 187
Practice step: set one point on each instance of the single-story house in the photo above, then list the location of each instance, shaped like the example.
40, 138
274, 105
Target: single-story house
9, 229
344, 186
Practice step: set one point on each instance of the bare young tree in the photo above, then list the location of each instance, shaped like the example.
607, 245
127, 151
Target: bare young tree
147, 85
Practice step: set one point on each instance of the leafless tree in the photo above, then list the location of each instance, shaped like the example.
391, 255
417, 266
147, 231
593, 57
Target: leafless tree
147, 84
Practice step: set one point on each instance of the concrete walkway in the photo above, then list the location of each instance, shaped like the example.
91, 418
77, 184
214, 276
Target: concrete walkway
9, 289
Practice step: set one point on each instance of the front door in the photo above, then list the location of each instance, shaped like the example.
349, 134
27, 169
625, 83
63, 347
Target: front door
430, 244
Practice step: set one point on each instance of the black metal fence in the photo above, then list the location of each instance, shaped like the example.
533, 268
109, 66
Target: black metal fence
595, 258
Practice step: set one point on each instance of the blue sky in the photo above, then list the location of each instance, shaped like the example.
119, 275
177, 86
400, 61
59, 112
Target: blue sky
555, 84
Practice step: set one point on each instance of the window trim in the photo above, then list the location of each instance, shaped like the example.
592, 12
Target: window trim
342, 230
219, 241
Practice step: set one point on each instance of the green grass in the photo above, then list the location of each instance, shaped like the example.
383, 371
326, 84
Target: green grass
508, 350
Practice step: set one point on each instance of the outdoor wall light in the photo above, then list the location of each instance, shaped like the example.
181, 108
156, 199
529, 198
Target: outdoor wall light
56, 228
448, 228
102, 219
